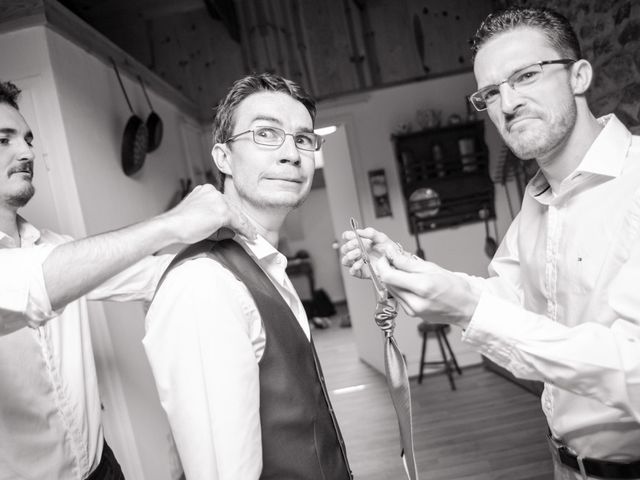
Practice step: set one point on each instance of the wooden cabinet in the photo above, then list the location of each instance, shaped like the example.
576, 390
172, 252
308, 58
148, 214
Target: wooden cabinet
444, 174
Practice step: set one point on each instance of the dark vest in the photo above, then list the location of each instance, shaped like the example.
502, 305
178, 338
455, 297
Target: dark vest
301, 439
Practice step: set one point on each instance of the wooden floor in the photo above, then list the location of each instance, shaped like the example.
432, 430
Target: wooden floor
489, 429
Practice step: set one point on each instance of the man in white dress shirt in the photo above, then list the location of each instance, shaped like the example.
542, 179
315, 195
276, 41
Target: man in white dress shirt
50, 427
227, 336
562, 304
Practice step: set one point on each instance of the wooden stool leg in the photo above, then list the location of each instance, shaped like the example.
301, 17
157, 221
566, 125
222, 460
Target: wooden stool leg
447, 366
453, 357
422, 357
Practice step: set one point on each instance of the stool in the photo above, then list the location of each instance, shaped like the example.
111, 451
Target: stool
440, 331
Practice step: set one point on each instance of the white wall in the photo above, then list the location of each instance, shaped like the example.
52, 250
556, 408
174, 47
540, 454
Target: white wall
25, 61
373, 117
74, 103
94, 114
309, 228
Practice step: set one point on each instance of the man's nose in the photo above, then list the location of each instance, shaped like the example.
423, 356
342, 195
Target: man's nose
510, 99
26, 151
289, 151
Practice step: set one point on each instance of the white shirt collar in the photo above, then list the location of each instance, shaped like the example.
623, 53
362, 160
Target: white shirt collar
28, 234
606, 156
611, 144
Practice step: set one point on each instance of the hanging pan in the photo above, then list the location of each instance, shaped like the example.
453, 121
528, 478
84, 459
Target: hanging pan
134, 139
154, 123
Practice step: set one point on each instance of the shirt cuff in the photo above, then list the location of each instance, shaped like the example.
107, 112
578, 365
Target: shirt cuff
488, 330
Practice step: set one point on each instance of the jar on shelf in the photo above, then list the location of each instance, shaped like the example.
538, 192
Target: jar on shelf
438, 159
467, 150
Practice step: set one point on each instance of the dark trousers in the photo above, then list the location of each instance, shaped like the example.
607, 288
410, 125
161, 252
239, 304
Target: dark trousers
108, 468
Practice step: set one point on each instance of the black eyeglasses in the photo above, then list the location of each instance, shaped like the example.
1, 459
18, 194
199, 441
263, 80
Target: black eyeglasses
275, 137
522, 77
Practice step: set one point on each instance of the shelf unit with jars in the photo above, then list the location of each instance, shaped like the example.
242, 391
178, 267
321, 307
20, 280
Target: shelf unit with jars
444, 174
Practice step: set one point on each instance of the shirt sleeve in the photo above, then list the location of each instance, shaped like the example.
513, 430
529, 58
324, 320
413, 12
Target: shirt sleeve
23, 296
137, 282
203, 339
593, 359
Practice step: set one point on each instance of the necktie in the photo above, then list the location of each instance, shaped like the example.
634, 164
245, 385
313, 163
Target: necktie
394, 364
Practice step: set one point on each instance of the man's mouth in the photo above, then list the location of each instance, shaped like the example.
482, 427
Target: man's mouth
283, 179
26, 168
515, 121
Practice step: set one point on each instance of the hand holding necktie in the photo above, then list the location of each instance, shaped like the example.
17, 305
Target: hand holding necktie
395, 367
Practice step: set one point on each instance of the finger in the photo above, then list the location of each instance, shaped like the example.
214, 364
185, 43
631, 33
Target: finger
352, 242
407, 280
402, 260
349, 246
369, 235
408, 300
358, 265
350, 257
402, 302
348, 235
357, 271
374, 235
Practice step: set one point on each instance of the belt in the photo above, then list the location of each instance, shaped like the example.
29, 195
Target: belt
594, 467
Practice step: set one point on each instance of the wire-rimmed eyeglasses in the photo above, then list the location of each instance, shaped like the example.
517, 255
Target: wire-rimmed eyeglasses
275, 137
522, 77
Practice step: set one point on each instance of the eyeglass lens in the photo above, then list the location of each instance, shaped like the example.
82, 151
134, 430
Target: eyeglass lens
273, 136
518, 79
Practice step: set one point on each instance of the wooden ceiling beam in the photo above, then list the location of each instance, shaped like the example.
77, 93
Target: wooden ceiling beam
55, 16
145, 9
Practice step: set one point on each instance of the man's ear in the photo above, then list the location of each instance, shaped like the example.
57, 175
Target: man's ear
581, 76
222, 157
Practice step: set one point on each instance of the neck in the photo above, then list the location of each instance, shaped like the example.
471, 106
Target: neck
267, 223
9, 224
565, 158
267, 220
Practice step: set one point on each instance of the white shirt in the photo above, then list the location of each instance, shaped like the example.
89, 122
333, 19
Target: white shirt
204, 340
563, 303
50, 426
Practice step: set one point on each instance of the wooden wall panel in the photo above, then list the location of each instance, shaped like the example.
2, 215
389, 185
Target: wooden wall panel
448, 26
327, 40
331, 47
397, 52
196, 54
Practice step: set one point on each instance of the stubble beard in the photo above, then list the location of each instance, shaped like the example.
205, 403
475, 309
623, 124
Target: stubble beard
21, 198
263, 202
537, 143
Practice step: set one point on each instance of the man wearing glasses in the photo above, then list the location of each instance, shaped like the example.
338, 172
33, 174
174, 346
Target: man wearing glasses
562, 304
227, 336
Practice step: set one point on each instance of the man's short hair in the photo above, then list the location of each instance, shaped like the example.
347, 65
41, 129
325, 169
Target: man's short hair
224, 121
9, 94
263, 82
551, 24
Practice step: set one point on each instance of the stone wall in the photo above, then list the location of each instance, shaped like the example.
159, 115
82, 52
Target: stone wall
609, 33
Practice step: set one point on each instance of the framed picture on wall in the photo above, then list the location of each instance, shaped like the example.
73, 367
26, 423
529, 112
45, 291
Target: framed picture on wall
380, 193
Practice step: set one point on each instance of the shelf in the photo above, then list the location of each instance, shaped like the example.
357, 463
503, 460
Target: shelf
444, 175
